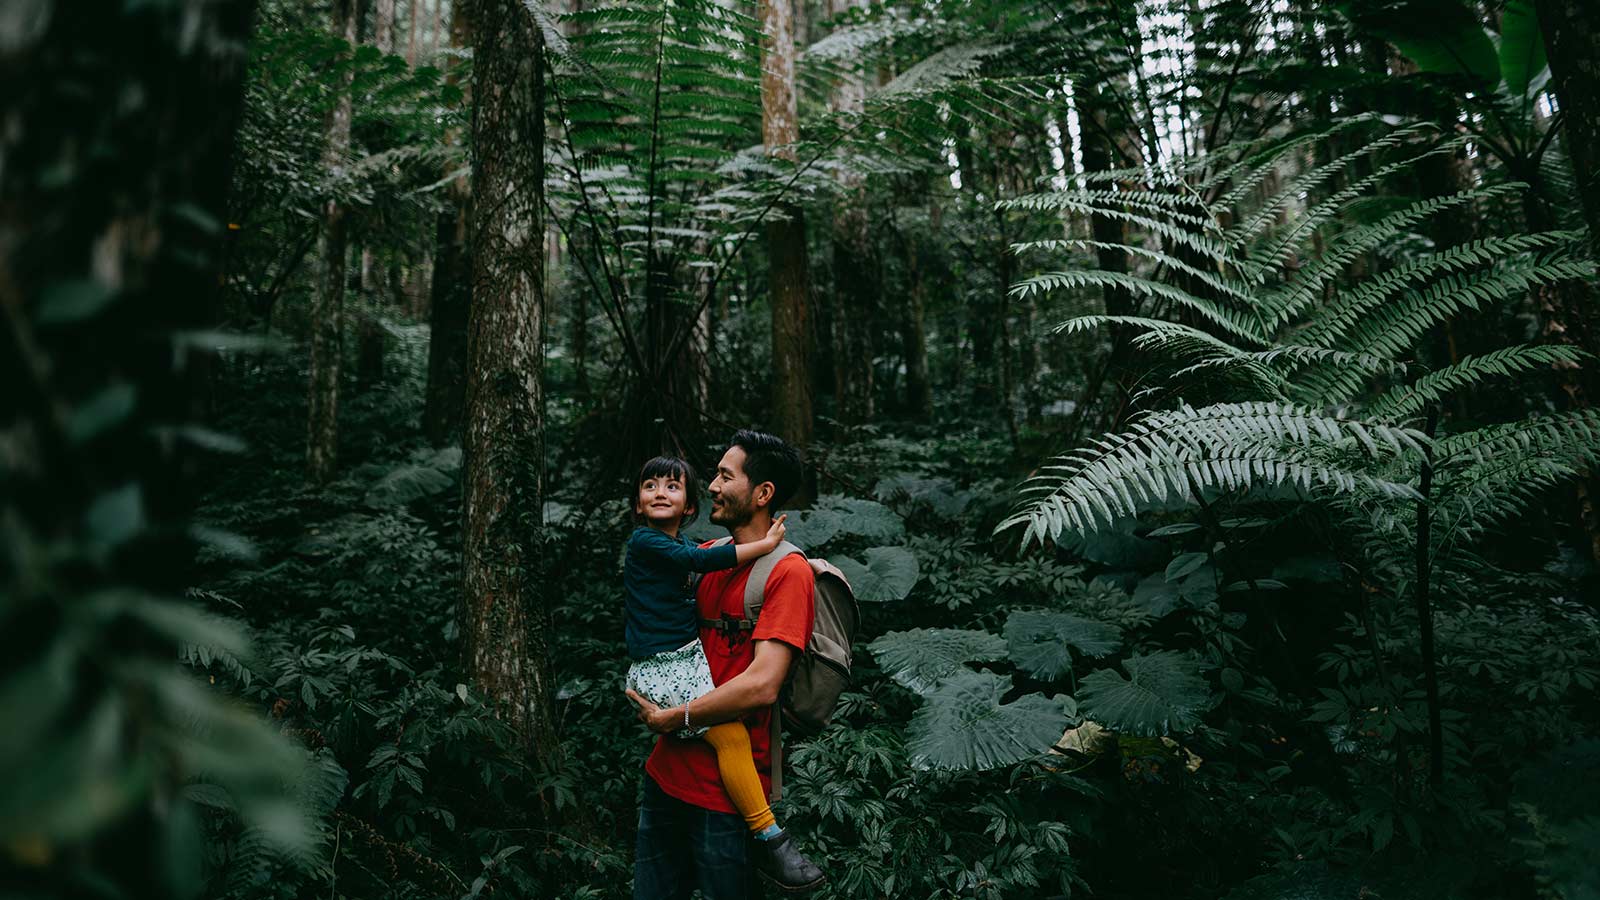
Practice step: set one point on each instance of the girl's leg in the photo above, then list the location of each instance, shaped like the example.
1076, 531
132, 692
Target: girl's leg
731, 740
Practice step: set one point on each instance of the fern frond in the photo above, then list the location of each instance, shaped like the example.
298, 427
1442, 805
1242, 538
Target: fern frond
1140, 286
1227, 446
1410, 400
1390, 329
1282, 305
1253, 226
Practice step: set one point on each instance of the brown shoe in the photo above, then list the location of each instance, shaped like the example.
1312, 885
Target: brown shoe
781, 862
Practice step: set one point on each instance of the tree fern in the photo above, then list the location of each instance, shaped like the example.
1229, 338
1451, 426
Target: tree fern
1225, 446
1223, 298
1409, 400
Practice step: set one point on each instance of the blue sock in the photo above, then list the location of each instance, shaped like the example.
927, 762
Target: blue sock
768, 833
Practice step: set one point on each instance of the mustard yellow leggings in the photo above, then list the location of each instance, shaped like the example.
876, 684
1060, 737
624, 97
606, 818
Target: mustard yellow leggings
731, 740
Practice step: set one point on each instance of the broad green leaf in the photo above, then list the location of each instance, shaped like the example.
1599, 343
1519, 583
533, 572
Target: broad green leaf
921, 658
1163, 693
1184, 564
1440, 36
1041, 642
1522, 53
865, 518
1156, 594
811, 528
963, 725
885, 574
1199, 587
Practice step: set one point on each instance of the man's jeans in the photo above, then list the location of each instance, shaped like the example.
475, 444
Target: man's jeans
682, 847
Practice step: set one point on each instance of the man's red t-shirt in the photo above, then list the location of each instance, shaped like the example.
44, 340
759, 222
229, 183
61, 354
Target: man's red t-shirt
687, 769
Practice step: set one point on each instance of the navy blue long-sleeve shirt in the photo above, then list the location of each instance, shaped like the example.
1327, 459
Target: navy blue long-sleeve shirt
660, 609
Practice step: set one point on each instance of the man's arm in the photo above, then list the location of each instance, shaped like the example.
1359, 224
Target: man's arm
754, 688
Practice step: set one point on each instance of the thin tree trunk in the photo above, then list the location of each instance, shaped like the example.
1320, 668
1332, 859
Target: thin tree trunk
1097, 124
450, 293
383, 26
1572, 40
327, 306
411, 31
854, 284
1424, 576
788, 285
505, 624
913, 334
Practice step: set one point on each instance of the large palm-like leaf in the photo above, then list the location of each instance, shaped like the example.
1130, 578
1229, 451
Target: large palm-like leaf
1163, 693
923, 657
963, 725
1042, 643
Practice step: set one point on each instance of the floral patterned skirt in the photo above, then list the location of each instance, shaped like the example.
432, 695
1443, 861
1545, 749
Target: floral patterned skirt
672, 678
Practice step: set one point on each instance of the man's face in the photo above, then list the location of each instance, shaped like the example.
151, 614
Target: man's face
732, 494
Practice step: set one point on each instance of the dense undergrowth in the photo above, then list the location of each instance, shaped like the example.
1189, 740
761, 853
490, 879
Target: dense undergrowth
1297, 737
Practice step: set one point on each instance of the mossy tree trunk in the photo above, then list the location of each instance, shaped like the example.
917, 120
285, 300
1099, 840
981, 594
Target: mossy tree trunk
504, 621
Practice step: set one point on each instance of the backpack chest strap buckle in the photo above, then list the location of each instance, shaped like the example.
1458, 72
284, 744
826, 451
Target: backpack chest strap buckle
728, 624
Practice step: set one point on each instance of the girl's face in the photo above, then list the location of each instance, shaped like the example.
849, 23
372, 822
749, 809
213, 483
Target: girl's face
661, 501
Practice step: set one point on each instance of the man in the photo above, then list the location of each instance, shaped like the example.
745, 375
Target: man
689, 833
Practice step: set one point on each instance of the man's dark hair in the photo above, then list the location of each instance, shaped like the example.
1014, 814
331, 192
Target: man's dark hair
672, 467
768, 457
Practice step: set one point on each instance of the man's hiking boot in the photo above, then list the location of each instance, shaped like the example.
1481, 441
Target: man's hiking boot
780, 862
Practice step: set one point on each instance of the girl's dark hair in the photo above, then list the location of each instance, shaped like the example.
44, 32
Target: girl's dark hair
673, 467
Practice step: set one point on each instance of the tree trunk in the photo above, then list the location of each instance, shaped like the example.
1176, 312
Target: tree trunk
450, 294
411, 31
383, 26
327, 305
788, 284
913, 334
1572, 40
505, 623
1099, 127
854, 285
1571, 31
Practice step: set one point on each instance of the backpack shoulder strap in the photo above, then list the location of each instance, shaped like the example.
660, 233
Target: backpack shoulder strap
755, 590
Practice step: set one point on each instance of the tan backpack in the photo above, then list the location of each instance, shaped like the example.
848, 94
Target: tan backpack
817, 678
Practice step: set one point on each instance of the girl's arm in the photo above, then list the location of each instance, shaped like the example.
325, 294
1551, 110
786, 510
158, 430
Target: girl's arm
756, 549
663, 550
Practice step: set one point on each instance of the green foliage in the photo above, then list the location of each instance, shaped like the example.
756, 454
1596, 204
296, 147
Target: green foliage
964, 725
885, 574
1162, 693
921, 659
1043, 643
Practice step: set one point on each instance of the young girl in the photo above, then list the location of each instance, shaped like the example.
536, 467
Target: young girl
663, 630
